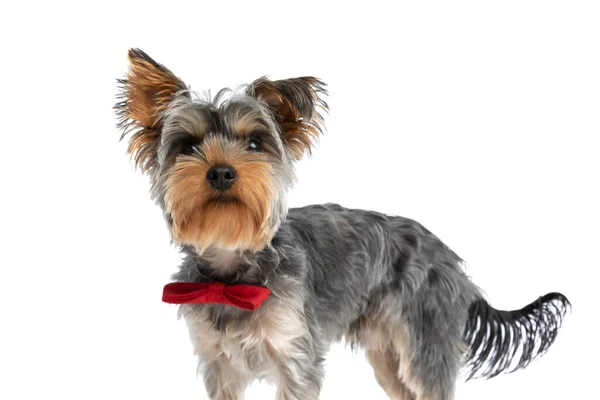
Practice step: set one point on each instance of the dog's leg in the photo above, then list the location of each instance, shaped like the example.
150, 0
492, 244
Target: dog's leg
385, 365
298, 382
429, 367
223, 381
407, 367
299, 375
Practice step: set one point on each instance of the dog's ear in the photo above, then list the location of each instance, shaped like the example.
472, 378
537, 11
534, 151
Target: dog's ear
145, 94
295, 104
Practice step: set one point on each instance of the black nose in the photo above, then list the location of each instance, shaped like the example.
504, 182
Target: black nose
221, 176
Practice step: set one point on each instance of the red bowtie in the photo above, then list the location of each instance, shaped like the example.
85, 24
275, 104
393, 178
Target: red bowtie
247, 297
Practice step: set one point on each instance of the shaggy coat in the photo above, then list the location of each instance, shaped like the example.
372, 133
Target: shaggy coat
220, 169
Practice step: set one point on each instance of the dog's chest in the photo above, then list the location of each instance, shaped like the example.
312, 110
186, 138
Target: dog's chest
254, 339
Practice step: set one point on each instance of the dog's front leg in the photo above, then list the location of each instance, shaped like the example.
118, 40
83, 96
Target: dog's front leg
299, 375
223, 381
296, 382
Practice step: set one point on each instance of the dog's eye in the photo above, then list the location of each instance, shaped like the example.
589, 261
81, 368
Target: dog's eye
192, 147
254, 144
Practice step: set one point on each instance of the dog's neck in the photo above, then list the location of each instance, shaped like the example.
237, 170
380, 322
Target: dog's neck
217, 264
222, 259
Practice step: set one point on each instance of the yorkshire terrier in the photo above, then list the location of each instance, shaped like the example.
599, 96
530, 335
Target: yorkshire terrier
265, 289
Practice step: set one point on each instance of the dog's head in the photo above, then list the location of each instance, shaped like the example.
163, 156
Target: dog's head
220, 167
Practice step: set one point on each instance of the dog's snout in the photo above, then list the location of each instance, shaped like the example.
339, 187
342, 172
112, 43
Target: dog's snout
221, 177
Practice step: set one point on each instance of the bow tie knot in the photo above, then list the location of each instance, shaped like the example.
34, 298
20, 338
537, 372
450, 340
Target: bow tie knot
215, 291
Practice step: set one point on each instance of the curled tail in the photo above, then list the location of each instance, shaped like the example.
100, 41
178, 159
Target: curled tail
505, 341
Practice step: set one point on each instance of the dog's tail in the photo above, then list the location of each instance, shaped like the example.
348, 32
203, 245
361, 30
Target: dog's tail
505, 341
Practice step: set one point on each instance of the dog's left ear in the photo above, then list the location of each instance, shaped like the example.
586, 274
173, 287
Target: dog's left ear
295, 104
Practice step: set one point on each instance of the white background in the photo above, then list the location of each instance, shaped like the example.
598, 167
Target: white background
478, 119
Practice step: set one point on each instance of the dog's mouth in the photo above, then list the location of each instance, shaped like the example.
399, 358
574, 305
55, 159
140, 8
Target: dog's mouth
223, 199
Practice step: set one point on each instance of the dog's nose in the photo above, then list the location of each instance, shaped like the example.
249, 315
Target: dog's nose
221, 176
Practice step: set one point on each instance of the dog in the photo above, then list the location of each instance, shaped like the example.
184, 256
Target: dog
265, 289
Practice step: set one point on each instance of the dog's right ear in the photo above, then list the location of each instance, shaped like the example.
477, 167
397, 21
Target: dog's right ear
144, 95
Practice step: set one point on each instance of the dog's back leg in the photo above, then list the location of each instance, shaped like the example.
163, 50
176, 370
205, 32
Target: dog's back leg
385, 364
406, 366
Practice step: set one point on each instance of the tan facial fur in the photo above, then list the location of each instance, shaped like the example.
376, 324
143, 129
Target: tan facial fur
237, 218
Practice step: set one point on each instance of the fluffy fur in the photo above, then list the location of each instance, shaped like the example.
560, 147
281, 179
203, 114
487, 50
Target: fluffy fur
383, 283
